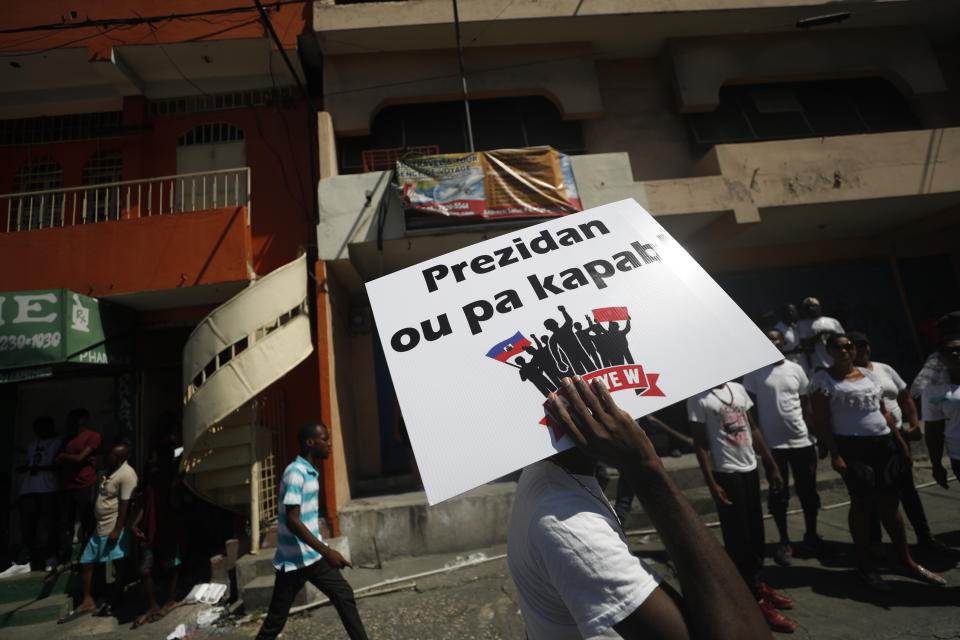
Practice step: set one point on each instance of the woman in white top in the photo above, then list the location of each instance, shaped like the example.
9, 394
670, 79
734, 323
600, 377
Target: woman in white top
897, 400
853, 423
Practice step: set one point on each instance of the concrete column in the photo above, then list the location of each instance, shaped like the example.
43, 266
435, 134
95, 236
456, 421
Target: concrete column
326, 145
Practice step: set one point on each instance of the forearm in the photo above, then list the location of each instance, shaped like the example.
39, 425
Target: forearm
706, 468
122, 515
301, 531
718, 603
901, 443
909, 408
762, 450
934, 438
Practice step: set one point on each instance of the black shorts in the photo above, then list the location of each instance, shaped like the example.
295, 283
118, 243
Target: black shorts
873, 463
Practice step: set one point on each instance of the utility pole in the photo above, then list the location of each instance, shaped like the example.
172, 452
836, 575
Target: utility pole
463, 75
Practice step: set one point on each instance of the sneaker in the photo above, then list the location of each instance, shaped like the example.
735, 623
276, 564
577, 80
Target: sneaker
15, 570
778, 600
776, 620
782, 554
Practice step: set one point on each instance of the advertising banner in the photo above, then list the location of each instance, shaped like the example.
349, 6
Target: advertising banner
490, 184
477, 338
58, 325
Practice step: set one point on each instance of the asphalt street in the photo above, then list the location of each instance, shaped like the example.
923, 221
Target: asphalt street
479, 601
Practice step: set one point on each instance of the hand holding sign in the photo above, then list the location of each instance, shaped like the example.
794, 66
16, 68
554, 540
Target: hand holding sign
595, 423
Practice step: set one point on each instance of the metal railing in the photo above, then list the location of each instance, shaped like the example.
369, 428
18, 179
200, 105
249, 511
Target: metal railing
130, 199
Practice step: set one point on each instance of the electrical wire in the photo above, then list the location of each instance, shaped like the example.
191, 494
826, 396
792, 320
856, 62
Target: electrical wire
153, 32
60, 26
62, 45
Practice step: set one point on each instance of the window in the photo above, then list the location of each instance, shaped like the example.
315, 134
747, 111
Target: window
221, 101
102, 204
205, 154
500, 123
747, 113
45, 209
210, 134
45, 129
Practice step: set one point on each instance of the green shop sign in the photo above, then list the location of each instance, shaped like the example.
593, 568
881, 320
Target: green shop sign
55, 326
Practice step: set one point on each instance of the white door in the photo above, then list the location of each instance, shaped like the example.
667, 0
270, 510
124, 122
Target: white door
205, 149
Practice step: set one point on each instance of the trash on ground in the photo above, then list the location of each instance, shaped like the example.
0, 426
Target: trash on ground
207, 593
207, 617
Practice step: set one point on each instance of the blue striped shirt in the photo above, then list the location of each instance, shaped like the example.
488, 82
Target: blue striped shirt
299, 487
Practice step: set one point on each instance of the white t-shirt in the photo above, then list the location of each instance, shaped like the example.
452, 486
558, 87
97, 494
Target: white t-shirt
724, 412
791, 341
942, 402
854, 406
933, 372
574, 574
891, 384
778, 388
40, 453
809, 328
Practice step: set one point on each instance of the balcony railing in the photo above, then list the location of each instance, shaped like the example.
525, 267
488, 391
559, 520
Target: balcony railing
124, 200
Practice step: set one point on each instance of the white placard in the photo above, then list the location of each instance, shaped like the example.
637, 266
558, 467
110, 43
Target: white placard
461, 334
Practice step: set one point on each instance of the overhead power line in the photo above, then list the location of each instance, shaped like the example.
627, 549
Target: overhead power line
107, 22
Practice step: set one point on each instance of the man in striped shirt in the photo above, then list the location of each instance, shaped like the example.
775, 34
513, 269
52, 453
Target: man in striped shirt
301, 553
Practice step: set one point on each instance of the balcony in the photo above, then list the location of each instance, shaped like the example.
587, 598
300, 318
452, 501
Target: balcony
181, 240
127, 200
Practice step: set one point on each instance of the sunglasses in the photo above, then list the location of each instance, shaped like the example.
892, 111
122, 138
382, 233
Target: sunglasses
846, 346
951, 351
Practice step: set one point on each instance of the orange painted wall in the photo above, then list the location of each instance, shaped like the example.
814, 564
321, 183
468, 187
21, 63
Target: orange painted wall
277, 149
289, 21
145, 254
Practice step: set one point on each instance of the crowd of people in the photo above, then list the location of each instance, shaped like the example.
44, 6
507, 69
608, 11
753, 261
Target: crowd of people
567, 549
73, 499
827, 398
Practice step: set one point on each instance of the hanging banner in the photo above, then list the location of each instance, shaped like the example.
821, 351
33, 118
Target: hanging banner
476, 339
490, 184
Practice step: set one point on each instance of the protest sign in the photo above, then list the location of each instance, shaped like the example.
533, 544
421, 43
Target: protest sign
476, 339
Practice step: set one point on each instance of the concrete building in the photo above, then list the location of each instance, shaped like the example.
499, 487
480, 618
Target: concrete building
165, 168
794, 147
158, 173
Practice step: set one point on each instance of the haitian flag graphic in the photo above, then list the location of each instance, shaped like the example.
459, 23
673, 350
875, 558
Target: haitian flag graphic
595, 348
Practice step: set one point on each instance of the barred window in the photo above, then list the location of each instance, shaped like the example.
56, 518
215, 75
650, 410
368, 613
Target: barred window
102, 168
210, 133
43, 210
220, 101
47, 129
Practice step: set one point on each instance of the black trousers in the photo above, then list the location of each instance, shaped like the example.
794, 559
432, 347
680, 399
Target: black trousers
803, 463
76, 506
39, 530
324, 577
742, 524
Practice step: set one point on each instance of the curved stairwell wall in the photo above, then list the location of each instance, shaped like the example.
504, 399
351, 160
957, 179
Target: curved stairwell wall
230, 425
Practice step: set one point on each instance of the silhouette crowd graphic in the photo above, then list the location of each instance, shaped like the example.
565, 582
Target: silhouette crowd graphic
570, 348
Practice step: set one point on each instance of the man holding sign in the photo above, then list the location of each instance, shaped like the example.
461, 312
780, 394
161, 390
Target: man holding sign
575, 576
